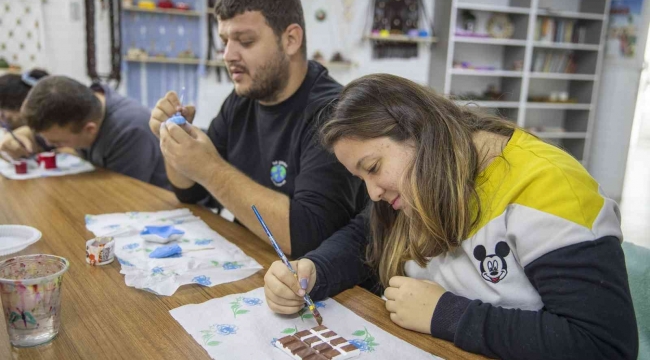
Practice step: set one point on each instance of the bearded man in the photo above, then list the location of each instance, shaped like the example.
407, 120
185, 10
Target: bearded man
262, 147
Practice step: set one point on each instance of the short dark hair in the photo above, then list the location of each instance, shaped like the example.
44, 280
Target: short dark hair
59, 100
13, 90
279, 14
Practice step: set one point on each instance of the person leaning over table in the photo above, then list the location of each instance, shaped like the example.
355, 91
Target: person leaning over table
261, 149
481, 233
108, 130
13, 92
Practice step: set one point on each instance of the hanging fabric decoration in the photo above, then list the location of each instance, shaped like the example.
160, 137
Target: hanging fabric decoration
114, 9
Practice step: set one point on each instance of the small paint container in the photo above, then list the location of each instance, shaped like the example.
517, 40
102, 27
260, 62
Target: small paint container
100, 251
21, 167
47, 160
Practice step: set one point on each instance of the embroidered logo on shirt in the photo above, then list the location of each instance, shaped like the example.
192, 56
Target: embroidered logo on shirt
279, 173
493, 267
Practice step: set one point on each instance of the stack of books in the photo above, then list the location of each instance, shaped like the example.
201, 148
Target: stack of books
554, 62
560, 31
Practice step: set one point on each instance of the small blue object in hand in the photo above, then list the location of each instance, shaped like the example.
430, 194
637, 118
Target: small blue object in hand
166, 251
177, 119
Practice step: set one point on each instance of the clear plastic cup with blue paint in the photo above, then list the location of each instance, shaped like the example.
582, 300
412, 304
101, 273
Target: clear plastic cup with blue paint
30, 289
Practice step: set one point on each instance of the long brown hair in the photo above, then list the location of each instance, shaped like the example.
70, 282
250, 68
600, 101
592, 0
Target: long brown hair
438, 186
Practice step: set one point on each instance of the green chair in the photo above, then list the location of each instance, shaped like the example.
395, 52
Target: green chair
637, 259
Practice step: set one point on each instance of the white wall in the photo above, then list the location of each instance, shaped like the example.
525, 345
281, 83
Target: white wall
615, 114
65, 39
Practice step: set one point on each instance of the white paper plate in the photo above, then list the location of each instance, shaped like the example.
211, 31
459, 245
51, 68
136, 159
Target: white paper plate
14, 238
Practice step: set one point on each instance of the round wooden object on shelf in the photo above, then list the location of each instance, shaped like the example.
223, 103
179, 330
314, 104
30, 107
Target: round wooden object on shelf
499, 26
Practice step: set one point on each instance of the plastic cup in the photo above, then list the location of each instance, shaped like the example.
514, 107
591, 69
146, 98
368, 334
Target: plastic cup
30, 289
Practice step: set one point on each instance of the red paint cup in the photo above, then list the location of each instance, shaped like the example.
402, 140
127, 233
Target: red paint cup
48, 159
21, 167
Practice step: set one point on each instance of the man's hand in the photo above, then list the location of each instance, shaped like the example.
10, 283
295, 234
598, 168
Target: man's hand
192, 154
13, 148
166, 108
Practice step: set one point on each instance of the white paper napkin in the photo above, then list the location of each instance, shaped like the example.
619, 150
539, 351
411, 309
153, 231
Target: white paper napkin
225, 263
66, 165
241, 326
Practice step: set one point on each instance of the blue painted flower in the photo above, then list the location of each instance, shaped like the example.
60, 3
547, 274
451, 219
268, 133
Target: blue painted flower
178, 222
124, 262
202, 280
232, 265
224, 329
114, 226
320, 304
362, 345
130, 246
89, 220
203, 241
252, 301
273, 341
157, 270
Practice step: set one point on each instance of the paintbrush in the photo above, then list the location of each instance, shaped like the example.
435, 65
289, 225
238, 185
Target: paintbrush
8, 129
310, 303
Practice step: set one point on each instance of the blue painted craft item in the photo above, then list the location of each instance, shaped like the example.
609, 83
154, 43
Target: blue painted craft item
161, 234
173, 250
310, 303
178, 118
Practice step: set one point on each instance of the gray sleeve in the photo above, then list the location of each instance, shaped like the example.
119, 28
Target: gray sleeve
134, 153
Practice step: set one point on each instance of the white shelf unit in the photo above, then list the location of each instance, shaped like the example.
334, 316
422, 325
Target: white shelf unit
569, 124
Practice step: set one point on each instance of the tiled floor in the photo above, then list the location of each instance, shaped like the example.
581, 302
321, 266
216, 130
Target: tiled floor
635, 203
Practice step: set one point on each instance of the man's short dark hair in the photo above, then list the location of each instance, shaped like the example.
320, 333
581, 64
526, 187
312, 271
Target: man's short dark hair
279, 14
14, 90
59, 100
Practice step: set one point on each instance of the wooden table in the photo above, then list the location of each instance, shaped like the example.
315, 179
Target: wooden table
101, 316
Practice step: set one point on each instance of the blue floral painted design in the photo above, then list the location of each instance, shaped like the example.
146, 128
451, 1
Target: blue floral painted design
90, 220
157, 270
203, 242
224, 329
232, 265
124, 262
273, 341
202, 280
362, 345
320, 304
130, 246
252, 301
178, 222
367, 344
114, 226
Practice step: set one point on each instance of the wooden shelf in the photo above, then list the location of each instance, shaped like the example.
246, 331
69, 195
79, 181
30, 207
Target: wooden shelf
402, 38
493, 73
494, 8
570, 14
176, 61
163, 11
557, 106
560, 135
562, 76
489, 41
566, 46
489, 104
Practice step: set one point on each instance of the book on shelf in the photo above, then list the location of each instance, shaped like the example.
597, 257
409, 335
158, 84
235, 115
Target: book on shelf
559, 31
554, 62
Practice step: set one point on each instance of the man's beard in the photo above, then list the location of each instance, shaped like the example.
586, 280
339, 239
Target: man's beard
269, 80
